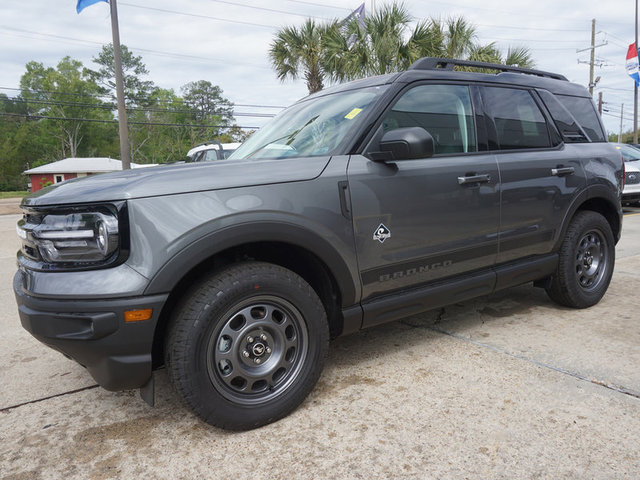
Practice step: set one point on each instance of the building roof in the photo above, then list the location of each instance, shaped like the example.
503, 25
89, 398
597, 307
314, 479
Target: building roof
82, 165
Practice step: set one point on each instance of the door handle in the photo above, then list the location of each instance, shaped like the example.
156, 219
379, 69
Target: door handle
561, 171
483, 178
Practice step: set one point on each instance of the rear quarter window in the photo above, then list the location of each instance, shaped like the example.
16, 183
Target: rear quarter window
584, 111
569, 128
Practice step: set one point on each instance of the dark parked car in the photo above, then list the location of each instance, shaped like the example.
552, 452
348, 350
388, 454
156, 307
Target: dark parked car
361, 204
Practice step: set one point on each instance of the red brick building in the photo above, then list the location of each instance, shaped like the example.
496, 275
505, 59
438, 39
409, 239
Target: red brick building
56, 172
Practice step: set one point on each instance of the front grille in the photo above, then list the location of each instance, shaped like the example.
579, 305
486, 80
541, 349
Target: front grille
632, 178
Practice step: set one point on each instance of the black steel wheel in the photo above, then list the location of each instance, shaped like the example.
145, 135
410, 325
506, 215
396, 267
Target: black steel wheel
258, 351
591, 260
247, 345
585, 267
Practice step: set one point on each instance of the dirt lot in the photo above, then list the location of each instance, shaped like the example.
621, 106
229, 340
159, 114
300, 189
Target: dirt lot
507, 386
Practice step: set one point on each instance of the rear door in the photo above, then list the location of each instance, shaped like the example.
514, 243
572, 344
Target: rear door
539, 174
419, 221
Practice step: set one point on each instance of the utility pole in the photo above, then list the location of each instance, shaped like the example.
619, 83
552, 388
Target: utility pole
593, 55
592, 59
600, 103
122, 112
621, 116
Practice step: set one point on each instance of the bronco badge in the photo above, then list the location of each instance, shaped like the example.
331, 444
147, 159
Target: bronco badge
381, 233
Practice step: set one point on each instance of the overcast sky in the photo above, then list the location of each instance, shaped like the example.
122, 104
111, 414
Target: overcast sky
226, 42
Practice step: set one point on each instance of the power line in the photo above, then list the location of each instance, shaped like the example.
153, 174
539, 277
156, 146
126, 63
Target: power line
516, 27
552, 49
626, 118
147, 50
506, 12
319, 5
75, 94
531, 40
97, 96
615, 36
617, 89
112, 107
198, 15
115, 122
253, 7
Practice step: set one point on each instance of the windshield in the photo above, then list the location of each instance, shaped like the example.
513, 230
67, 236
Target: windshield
629, 153
309, 128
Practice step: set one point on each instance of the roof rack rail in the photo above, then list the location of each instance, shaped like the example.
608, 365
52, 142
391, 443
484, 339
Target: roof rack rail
432, 63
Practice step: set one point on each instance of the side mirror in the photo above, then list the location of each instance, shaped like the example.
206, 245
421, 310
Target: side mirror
404, 144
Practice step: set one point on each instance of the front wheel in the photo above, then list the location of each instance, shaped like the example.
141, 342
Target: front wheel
248, 345
585, 267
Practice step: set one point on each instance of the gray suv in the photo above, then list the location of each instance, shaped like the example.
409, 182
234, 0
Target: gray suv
359, 205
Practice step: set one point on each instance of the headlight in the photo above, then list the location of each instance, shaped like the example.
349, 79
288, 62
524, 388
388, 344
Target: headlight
72, 237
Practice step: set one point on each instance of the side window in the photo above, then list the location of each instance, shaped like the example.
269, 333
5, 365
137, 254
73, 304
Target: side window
210, 155
519, 122
585, 113
442, 110
567, 125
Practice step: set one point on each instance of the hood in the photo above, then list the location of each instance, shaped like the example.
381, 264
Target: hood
175, 179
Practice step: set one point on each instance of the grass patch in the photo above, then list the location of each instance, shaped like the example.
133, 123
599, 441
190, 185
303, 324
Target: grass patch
13, 194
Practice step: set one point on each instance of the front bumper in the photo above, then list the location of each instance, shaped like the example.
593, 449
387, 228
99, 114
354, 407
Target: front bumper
631, 191
93, 333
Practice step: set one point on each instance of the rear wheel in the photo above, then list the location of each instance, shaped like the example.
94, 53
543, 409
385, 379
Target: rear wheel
587, 257
248, 345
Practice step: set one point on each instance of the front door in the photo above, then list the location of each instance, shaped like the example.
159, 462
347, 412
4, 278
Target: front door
420, 221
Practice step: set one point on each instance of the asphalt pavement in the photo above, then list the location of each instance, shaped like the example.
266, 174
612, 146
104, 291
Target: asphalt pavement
505, 386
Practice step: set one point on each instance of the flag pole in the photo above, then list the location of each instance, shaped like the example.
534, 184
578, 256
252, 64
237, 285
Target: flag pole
122, 112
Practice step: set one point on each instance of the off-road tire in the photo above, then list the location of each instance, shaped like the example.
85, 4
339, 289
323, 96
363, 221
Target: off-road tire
215, 355
585, 267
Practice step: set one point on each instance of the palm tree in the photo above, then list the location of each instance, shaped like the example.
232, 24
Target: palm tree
351, 51
299, 50
459, 36
517, 56
520, 56
385, 43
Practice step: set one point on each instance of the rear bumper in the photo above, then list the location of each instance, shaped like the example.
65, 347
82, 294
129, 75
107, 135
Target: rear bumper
93, 333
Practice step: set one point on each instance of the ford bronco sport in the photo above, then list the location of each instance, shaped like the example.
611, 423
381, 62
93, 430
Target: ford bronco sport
361, 204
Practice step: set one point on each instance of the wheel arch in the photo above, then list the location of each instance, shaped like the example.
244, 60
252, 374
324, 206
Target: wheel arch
290, 246
599, 199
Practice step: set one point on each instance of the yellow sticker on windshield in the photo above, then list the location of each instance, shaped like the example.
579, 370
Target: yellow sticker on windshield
352, 114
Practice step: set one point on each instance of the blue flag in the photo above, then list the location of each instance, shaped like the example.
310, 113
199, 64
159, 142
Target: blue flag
82, 4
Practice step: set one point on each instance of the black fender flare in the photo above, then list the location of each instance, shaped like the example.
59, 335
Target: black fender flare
209, 244
602, 192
